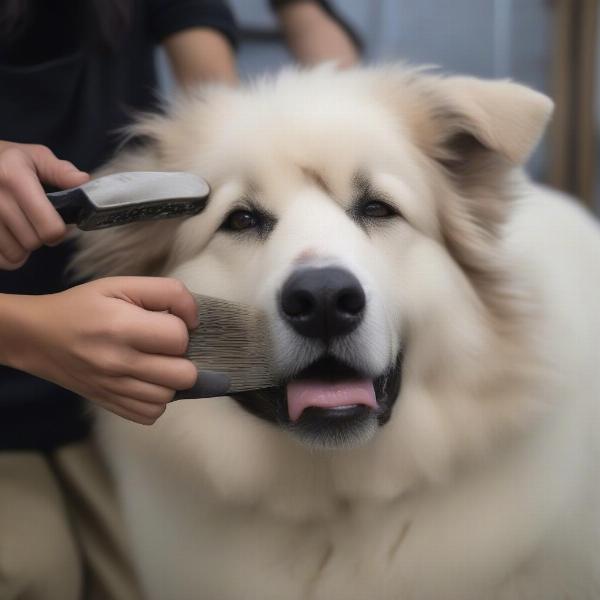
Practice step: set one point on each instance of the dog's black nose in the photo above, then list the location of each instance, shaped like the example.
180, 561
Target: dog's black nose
323, 303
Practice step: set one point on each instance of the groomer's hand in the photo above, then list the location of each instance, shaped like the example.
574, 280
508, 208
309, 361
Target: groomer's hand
118, 341
27, 218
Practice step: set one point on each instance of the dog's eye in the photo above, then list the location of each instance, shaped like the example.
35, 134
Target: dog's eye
240, 220
375, 209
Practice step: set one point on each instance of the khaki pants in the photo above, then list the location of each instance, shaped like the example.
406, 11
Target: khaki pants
60, 534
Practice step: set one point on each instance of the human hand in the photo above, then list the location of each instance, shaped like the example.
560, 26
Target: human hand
109, 340
27, 218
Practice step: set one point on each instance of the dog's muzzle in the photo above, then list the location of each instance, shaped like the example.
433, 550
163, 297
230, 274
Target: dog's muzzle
330, 402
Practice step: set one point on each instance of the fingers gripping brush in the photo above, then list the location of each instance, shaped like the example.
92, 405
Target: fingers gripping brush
230, 348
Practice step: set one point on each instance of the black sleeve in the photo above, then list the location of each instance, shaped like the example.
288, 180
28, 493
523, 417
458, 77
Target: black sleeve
170, 16
326, 6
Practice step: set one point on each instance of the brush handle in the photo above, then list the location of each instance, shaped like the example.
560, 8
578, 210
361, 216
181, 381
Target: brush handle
72, 205
210, 384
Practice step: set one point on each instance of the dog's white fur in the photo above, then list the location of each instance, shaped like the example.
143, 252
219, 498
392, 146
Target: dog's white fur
484, 484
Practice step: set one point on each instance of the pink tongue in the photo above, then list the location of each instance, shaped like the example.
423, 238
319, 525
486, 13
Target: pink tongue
303, 394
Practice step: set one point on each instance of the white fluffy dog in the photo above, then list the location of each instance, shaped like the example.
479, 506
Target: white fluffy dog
436, 322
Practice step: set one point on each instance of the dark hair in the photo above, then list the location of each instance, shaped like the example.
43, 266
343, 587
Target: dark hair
108, 20
14, 16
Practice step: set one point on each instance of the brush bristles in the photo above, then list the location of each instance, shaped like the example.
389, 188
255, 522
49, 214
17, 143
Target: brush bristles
232, 338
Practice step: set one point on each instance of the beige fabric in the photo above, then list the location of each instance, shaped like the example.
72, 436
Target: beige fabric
97, 522
38, 555
60, 533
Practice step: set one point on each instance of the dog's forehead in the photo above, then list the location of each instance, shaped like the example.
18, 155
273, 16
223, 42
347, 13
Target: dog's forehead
336, 164
334, 132
277, 142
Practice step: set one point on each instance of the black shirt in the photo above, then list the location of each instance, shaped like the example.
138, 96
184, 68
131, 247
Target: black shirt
61, 85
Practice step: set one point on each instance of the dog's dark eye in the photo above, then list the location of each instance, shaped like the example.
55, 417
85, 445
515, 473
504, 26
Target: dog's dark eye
375, 209
240, 220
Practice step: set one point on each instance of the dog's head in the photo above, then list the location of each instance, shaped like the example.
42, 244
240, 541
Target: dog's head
363, 212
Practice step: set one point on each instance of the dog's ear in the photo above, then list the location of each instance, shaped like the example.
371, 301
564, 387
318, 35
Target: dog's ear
477, 115
478, 131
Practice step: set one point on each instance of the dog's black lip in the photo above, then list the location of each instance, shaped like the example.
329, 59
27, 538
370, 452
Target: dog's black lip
270, 404
326, 368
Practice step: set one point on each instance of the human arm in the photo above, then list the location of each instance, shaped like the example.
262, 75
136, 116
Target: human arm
117, 341
199, 37
313, 35
105, 340
200, 55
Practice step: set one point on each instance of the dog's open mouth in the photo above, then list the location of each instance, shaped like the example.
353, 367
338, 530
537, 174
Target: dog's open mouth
329, 403
331, 387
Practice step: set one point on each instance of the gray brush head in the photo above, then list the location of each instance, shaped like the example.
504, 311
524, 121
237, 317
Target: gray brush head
123, 198
232, 339
124, 190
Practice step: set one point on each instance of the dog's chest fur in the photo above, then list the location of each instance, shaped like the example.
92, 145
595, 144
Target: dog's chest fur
477, 539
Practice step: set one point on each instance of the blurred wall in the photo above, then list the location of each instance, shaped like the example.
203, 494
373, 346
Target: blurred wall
496, 38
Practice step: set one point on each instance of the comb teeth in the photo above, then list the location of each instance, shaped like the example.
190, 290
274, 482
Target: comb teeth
232, 338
